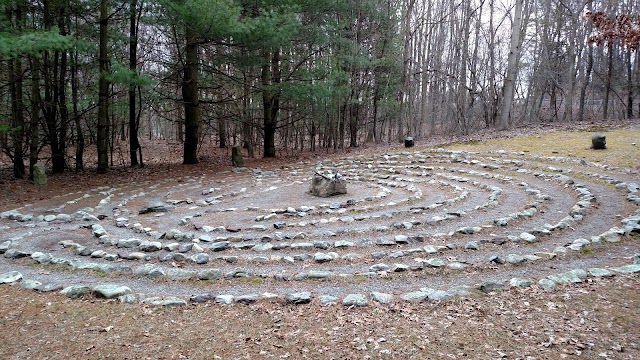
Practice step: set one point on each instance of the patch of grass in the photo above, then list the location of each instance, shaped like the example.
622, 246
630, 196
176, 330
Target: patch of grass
574, 144
587, 250
251, 280
356, 279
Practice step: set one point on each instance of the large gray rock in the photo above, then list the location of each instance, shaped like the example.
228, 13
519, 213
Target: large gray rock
326, 185
39, 174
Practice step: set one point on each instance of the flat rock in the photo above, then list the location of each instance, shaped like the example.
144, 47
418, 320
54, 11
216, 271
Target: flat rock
167, 301
224, 299
521, 283
527, 237
515, 259
298, 298
435, 262
414, 296
379, 267
599, 272
382, 298
10, 277
627, 269
491, 286
547, 284
29, 284
76, 291
110, 291
355, 300
328, 300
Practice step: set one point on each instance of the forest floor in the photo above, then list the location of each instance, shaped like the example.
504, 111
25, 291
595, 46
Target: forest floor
595, 319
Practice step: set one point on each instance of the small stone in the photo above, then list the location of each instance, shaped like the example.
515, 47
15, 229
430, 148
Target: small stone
262, 247
10, 277
246, 299
224, 299
210, 274
110, 291
322, 257
547, 284
515, 259
382, 298
527, 237
472, 245
219, 246
328, 300
435, 262
200, 258
399, 268
379, 267
521, 283
168, 301
414, 297
355, 300
430, 249
76, 291
29, 284
342, 244
401, 239
598, 272
491, 286
298, 298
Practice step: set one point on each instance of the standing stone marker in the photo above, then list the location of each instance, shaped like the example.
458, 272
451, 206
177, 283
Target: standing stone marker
408, 142
236, 156
598, 142
325, 185
39, 174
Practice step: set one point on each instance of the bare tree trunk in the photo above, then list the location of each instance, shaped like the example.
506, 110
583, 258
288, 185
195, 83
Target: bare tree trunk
103, 92
270, 99
191, 99
607, 82
34, 124
134, 143
629, 86
508, 89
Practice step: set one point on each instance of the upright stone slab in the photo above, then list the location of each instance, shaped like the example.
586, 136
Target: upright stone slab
39, 174
236, 156
598, 142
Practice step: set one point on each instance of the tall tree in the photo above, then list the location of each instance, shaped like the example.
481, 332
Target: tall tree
103, 91
508, 88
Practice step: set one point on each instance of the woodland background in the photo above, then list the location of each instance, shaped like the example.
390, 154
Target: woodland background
301, 74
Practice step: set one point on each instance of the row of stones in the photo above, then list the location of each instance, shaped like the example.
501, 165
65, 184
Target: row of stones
125, 294
630, 226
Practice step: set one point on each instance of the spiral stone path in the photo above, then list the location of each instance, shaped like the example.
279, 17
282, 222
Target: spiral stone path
414, 226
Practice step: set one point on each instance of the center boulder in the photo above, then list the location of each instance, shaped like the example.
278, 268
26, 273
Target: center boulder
327, 184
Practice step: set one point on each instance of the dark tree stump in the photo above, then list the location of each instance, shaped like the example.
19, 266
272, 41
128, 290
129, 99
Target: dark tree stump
408, 142
598, 142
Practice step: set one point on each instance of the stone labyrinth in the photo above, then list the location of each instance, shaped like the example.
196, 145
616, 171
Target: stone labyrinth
415, 226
